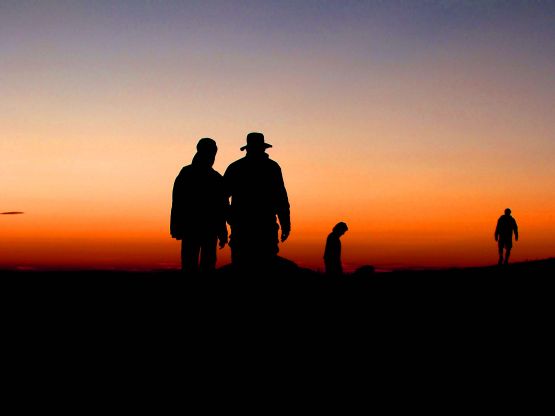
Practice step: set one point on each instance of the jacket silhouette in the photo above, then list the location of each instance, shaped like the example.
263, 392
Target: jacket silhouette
258, 195
199, 209
332, 252
506, 226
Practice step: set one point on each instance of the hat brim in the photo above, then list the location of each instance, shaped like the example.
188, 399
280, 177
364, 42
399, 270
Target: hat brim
264, 145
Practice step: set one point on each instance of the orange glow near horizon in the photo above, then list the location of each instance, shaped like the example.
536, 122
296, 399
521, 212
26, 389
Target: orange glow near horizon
398, 222
417, 140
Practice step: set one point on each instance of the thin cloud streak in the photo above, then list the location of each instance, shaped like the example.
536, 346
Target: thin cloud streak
12, 213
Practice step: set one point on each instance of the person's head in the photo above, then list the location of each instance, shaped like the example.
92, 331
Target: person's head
255, 143
340, 228
206, 151
508, 211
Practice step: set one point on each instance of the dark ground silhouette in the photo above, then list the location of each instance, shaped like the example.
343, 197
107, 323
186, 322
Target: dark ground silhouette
517, 285
465, 320
467, 326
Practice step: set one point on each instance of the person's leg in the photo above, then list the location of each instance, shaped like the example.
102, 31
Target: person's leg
264, 246
190, 248
500, 246
208, 254
274, 239
246, 246
328, 267
236, 246
254, 246
333, 268
507, 254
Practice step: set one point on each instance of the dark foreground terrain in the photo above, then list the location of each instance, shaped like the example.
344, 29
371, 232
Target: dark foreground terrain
479, 324
284, 289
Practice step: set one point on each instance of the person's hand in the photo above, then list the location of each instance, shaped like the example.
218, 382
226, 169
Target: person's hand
516, 237
177, 237
284, 235
496, 238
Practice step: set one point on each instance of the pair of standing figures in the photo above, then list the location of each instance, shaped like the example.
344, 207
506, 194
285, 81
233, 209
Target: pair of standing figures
201, 207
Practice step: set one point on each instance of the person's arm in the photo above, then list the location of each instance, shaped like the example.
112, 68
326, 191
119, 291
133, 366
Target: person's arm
175, 216
226, 184
515, 229
496, 235
283, 208
328, 248
223, 236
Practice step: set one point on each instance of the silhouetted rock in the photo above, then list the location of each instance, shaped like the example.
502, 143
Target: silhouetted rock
364, 271
277, 267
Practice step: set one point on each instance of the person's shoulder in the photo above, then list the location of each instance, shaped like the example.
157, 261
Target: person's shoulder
234, 165
273, 164
238, 162
215, 173
184, 170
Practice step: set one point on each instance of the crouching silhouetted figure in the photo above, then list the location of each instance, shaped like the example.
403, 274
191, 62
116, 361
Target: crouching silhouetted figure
258, 197
332, 252
199, 210
506, 225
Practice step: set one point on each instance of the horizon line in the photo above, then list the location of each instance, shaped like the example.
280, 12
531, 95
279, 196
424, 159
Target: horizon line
65, 269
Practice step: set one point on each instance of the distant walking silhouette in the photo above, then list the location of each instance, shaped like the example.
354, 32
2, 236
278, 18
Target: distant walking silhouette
506, 225
332, 252
199, 209
255, 185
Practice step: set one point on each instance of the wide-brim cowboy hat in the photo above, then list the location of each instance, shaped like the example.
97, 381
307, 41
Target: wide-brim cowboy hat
256, 140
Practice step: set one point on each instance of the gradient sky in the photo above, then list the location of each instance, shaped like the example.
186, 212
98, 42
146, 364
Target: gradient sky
416, 122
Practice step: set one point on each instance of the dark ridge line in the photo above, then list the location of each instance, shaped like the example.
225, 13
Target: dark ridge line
114, 271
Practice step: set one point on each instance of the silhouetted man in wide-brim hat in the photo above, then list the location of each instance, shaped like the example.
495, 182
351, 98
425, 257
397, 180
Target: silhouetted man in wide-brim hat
255, 141
258, 195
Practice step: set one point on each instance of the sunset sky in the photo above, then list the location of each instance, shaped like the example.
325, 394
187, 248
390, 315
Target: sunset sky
415, 122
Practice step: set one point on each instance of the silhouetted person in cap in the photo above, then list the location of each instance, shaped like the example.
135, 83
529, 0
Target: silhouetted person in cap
199, 210
258, 196
332, 252
506, 225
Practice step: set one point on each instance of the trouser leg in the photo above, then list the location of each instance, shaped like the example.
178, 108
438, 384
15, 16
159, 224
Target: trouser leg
208, 254
238, 243
500, 246
263, 246
507, 255
190, 249
333, 268
254, 245
235, 245
236, 256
